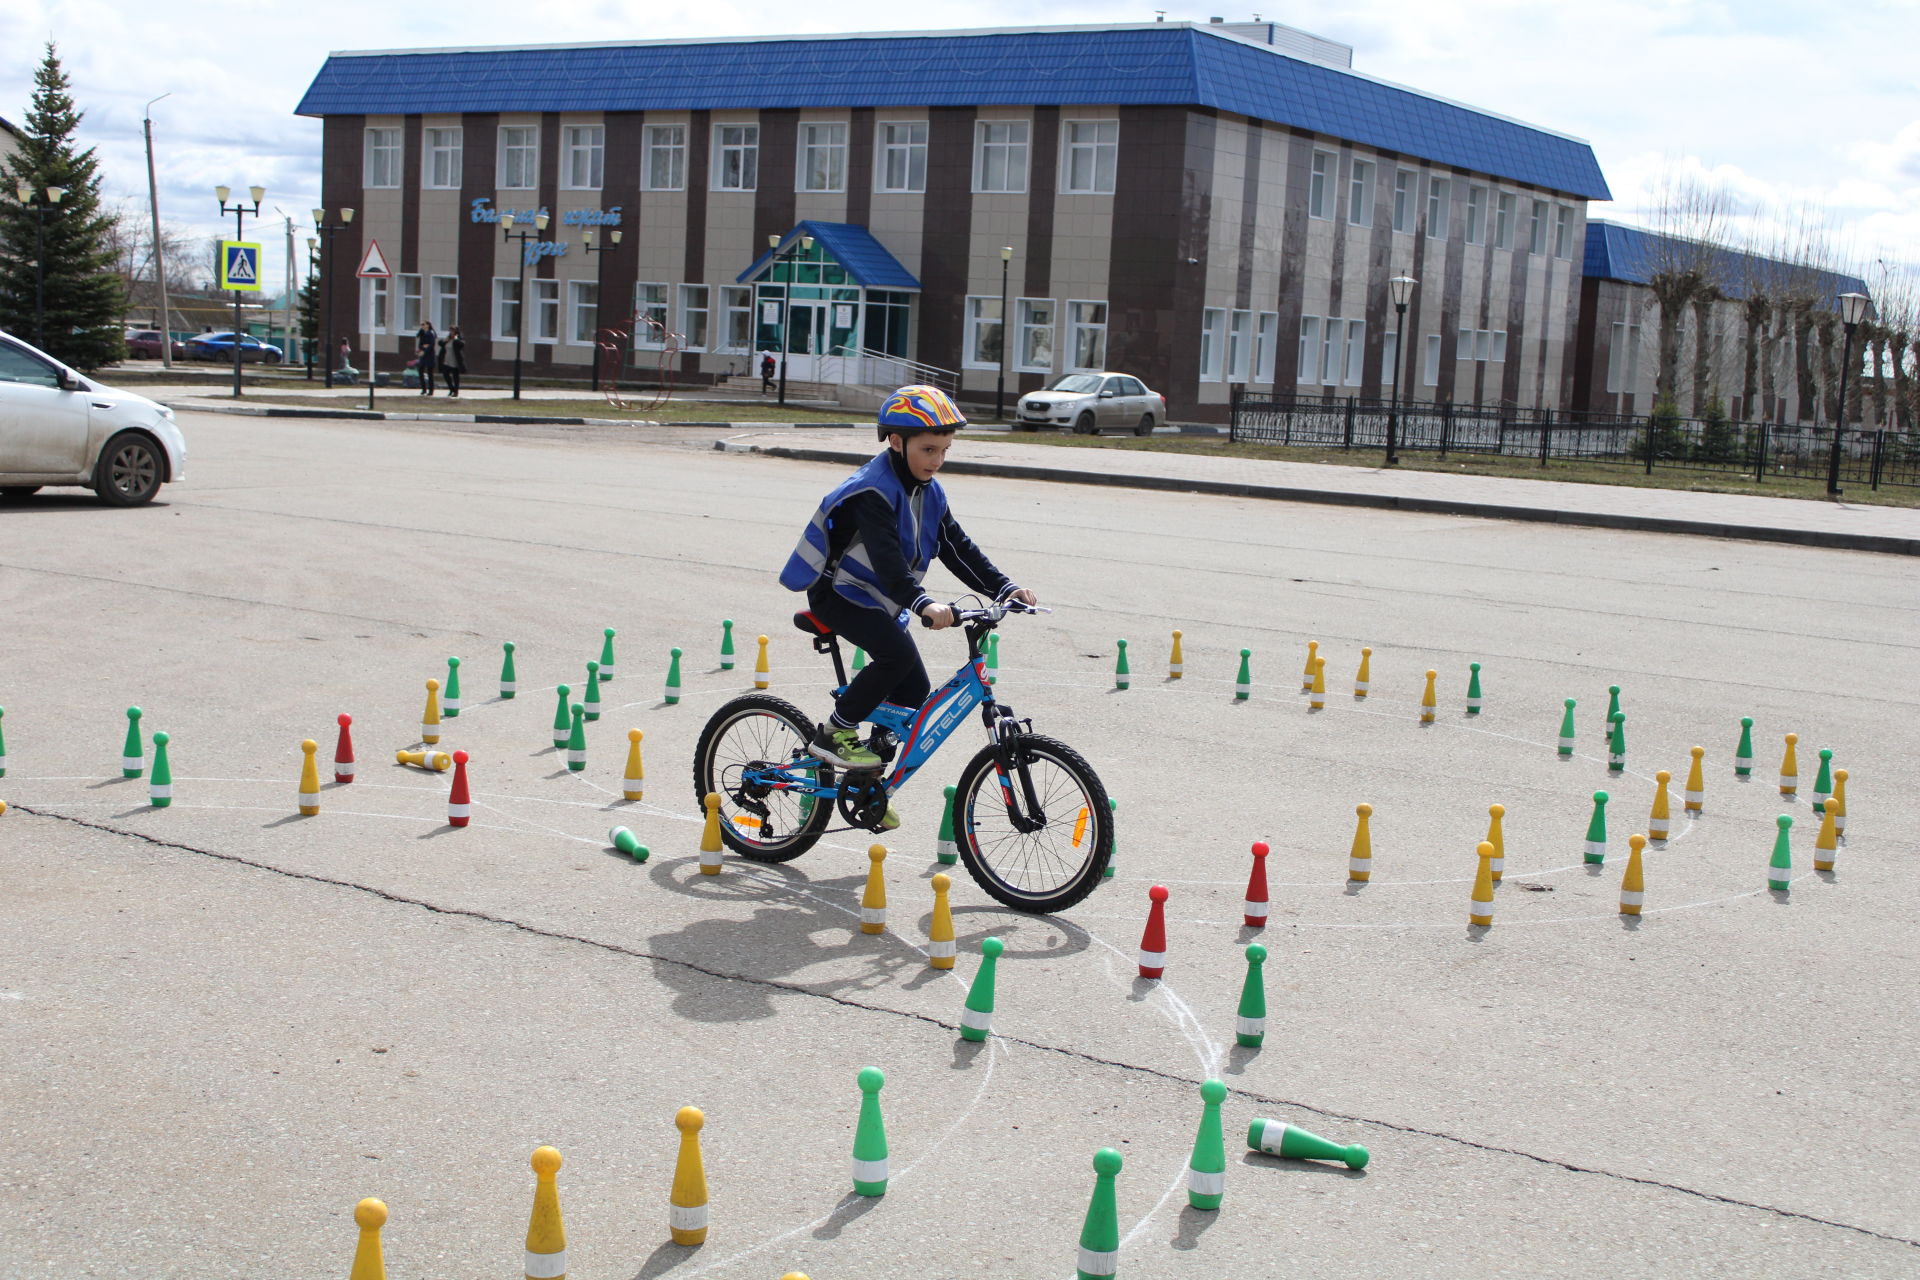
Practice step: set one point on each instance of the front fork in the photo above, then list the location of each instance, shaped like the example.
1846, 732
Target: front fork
1010, 763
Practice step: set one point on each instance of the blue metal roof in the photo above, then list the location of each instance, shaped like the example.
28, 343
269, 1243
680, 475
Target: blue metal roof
1160, 64
850, 245
1632, 255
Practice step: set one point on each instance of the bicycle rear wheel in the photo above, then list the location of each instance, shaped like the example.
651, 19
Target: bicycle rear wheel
1040, 860
767, 824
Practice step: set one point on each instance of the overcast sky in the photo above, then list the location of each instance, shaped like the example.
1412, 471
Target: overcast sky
1786, 104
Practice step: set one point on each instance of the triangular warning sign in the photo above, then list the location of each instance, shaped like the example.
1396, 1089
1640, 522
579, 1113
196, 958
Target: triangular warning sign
240, 266
374, 264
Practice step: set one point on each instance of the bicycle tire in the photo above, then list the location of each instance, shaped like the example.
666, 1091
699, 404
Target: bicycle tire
809, 816
1026, 870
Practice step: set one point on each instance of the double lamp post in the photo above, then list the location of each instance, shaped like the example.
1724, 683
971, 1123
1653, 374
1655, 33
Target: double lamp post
41, 201
240, 214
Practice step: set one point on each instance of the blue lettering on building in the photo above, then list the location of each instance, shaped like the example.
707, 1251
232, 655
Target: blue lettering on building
591, 217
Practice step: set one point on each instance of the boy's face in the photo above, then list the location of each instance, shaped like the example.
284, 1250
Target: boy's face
924, 453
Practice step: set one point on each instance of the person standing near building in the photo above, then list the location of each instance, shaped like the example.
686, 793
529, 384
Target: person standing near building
766, 372
346, 372
453, 360
425, 342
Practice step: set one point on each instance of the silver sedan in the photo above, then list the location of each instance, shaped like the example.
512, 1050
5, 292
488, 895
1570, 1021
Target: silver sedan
1088, 403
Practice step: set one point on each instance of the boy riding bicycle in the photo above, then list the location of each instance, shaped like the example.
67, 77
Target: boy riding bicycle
862, 558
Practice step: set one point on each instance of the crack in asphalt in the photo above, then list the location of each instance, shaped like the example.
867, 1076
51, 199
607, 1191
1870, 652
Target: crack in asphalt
775, 984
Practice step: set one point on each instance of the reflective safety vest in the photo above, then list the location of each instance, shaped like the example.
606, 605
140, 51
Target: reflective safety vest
918, 511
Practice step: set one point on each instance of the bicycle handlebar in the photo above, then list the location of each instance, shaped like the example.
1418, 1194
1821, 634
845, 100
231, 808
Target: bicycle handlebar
993, 613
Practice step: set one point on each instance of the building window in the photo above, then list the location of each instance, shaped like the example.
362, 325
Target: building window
1308, 367
383, 158
546, 311
1360, 194
1403, 188
736, 157
1463, 345
1503, 221
373, 306
1320, 185
1623, 360
1563, 231
1213, 323
1092, 151
1476, 215
506, 309
442, 170
695, 316
1330, 350
410, 312
1240, 346
446, 302
1439, 204
1266, 345
903, 156
983, 333
823, 157
666, 167
1390, 359
1356, 351
1087, 335
1036, 335
583, 312
737, 333
1499, 355
519, 157
1537, 228
1482, 344
586, 156
1000, 156
1430, 375
650, 316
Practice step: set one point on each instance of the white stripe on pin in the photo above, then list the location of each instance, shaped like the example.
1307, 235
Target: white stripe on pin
870, 1170
1251, 1026
546, 1266
1631, 897
1153, 959
1359, 864
160, 790
458, 810
1205, 1184
873, 915
509, 686
1252, 908
343, 768
1099, 1262
941, 950
686, 1217
131, 762
975, 1019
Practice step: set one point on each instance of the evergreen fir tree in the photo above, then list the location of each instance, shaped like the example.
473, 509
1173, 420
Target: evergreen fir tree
307, 307
83, 303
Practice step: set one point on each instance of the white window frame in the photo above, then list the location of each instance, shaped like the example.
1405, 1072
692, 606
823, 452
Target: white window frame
411, 300
1406, 189
380, 167
901, 144
1013, 150
1356, 351
445, 302
1307, 368
1476, 214
736, 147
1239, 346
584, 147
1213, 334
1503, 211
375, 308
736, 303
983, 313
1089, 156
821, 142
1482, 345
507, 299
1360, 194
1322, 170
1623, 359
1430, 367
1077, 326
1389, 358
1563, 231
656, 305
1537, 228
1331, 333
544, 294
665, 147
1439, 207
1499, 355
1266, 346
696, 300
577, 303
1463, 345
519, 149
444, 149
1028, 328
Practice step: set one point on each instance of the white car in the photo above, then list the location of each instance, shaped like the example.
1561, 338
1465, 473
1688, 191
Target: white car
1086, 403
60, 427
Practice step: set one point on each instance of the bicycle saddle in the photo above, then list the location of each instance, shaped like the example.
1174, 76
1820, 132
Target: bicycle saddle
813, 626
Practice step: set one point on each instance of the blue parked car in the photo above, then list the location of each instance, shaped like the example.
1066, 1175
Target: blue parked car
219, 346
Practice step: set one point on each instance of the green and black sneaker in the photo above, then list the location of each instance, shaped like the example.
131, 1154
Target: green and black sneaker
842, 747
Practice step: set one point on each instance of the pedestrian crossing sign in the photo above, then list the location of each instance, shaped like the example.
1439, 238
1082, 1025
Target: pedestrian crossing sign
239, 265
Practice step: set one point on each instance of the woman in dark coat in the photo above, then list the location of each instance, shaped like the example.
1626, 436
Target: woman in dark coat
426, 342
453, 359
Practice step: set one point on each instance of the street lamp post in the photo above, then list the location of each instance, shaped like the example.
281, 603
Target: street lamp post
1401, 290
1000, 382
39, 201
239, 212
1853, 309
326, 230
522, 238
587, 246
313, 269
786, 302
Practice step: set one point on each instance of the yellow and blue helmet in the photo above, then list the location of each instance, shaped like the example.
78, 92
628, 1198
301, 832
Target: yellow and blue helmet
911, 410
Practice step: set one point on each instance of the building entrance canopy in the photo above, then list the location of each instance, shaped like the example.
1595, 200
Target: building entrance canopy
830, 292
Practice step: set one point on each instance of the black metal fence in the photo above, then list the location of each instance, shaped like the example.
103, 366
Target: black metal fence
1759, 450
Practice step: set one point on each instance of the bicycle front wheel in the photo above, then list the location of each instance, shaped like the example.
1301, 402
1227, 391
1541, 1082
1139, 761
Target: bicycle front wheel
742, 741
1037, 835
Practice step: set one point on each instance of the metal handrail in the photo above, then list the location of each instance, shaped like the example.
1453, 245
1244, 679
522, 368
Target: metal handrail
932, 375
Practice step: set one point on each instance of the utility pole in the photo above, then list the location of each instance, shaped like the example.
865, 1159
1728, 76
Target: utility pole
159, 248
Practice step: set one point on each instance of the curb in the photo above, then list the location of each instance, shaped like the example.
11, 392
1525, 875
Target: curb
520, 419
1427, 506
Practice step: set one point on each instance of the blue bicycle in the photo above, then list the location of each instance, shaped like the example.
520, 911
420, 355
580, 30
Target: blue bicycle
1030, 816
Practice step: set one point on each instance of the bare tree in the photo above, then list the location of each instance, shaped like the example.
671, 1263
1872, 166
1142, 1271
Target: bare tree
130, 236
1686, 264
